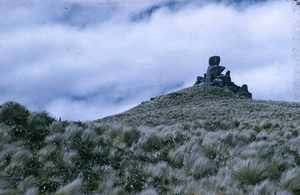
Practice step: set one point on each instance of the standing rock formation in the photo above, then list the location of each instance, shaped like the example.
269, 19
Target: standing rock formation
213, 69
214, 77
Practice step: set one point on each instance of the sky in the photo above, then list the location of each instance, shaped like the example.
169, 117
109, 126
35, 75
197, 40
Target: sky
87, 59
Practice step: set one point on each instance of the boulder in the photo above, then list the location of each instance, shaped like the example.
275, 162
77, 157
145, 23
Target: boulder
213, 71
199, 80
243, 91
233, 87
218, 82
214, 60
228, 73
225, 78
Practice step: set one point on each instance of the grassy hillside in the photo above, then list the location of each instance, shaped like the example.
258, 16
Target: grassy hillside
188, 142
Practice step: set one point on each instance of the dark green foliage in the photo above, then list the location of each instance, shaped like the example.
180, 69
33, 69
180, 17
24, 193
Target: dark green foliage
276, 125
63, 171
7, 158
87, 158
267, 125
257, 128
32, 167
81, 124
181, 138
211, 154
295, 133
35, 138
252, 137
83, 148
131, 136
100, 130
90, 179
186, 127
117, 159
12, 113
18, 132
48, 186
152, 143
204, 173
213, 125
169, 142
161, 185
30, 128
39, 120
235, 124
115, 132
135, 182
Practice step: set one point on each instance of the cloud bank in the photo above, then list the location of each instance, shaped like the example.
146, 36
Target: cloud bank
84, 61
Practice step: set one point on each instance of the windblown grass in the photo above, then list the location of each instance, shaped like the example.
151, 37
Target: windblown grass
190, 142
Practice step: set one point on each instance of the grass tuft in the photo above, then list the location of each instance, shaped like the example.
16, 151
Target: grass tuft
254, 171
290, 181
131, 136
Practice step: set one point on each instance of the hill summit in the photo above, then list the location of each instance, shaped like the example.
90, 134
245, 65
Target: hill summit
208, 94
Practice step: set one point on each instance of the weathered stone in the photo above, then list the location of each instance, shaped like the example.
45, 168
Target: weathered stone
227, 73
217, 82
214, 60
213, 71
214, 77
233, 87
226, 79
199, 80
244, 91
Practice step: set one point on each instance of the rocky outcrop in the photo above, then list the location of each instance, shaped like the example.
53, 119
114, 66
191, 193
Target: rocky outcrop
214, 77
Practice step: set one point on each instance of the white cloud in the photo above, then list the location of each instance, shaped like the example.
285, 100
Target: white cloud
97, 62
272, 81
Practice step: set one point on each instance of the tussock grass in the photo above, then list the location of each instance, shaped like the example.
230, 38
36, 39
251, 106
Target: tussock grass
188, 142
199, 166
254, 171
290, 180
132, 136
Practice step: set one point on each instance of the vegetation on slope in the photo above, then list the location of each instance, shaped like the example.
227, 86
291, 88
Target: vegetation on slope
187, 142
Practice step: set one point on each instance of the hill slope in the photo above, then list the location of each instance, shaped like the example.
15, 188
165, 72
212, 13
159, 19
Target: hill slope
191, 105
191, 141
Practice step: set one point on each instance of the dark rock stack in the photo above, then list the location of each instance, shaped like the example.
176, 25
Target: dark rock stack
214, 77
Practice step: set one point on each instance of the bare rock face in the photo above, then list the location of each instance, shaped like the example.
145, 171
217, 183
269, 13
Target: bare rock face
214, 77
214, 71
214, 60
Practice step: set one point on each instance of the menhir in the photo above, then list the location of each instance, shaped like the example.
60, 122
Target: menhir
214, 77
